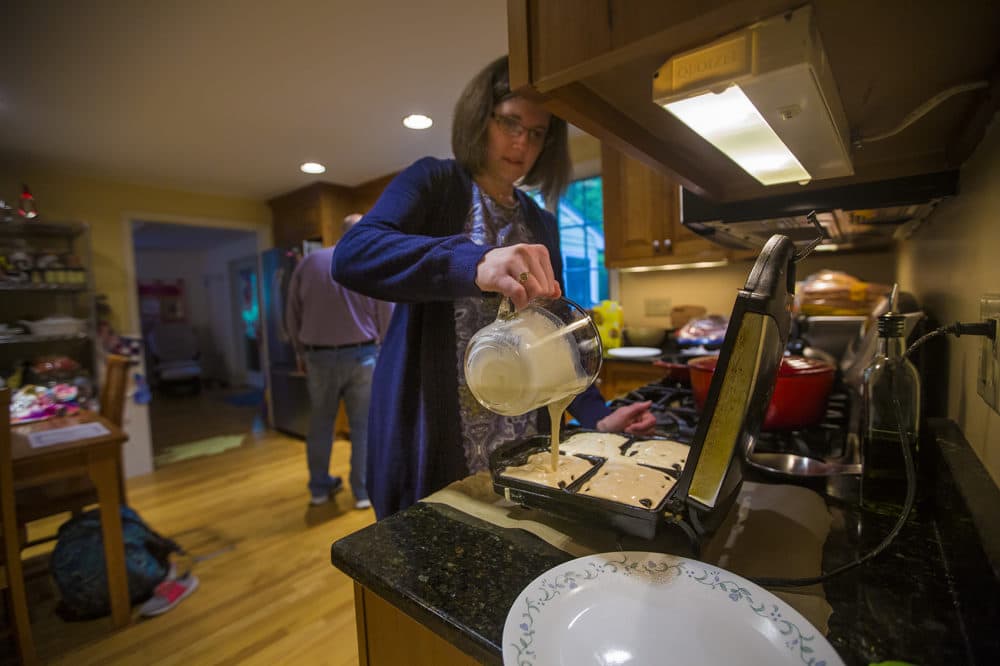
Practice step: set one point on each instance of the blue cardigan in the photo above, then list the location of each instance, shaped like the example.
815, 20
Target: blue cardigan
410, 249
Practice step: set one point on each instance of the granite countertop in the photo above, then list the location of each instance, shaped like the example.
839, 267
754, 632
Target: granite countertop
932, 597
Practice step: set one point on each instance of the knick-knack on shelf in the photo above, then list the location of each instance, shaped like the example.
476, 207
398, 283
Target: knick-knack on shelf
26, 207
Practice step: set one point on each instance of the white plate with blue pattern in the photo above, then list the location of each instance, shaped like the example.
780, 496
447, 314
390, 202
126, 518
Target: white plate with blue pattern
639, 608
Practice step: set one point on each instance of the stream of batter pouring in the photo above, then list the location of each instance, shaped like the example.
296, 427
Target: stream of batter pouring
556, 410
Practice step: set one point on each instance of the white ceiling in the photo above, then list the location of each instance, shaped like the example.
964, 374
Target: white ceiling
231, 96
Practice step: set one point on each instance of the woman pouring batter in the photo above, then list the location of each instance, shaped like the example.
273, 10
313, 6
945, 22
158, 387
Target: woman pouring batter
446, 240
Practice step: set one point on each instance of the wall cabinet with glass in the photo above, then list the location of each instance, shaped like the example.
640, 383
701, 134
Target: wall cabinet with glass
47, 305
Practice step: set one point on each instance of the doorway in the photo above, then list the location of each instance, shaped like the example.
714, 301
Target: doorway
194, 286
244, 281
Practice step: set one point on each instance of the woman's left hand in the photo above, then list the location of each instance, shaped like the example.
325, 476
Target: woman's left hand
635, 419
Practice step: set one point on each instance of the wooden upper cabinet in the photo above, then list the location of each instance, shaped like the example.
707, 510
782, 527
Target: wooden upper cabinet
316, 211
592, 61
642, 217
365, 195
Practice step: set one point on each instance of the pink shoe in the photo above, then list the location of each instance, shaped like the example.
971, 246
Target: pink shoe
168, 594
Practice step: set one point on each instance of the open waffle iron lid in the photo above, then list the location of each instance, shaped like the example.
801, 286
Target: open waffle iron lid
741, 387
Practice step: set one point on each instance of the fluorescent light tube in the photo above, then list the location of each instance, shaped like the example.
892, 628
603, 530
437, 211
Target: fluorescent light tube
730, 122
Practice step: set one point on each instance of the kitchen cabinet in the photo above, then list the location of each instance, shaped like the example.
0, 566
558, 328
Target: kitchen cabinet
311, 212
365, 195
388, 637
619, 377
642, 225
592, 61
318, 210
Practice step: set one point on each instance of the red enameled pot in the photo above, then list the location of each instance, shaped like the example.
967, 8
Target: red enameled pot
674, 370
800, 392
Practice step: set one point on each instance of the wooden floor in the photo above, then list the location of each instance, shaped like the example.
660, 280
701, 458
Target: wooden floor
176, 418
268, 593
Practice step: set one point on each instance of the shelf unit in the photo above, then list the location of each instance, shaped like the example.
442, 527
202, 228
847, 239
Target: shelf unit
29, 295
43, 287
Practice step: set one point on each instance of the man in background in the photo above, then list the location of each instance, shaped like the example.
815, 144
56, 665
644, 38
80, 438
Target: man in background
336, 333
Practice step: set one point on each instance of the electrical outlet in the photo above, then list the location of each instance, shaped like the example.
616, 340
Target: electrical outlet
989, 355
657, 307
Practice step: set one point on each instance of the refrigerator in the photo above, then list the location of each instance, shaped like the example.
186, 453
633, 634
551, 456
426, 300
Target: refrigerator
288, 395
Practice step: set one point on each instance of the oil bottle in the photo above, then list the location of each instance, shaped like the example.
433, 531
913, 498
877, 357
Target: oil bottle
891, 413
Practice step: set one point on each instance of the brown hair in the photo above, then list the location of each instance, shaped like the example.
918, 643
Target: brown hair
473, 112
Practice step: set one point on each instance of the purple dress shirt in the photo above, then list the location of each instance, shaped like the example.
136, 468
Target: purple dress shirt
322, 312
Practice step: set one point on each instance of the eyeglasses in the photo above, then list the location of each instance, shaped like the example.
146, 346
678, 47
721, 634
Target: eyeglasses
513, 128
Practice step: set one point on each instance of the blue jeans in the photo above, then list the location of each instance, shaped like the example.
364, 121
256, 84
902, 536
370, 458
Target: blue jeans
335, 374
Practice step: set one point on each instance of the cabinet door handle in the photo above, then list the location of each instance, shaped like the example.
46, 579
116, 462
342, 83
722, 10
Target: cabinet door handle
667, 244
656, 246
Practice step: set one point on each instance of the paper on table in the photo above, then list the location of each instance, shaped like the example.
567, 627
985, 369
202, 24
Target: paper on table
72, 433
772, 530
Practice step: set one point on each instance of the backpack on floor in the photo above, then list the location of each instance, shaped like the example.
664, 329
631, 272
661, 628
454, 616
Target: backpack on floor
78, 567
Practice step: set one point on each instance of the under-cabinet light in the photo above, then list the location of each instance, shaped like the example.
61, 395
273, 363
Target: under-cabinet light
674, 267
730, 122
765, 97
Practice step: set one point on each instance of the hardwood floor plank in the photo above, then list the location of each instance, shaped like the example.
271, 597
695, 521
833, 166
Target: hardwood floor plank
268, 593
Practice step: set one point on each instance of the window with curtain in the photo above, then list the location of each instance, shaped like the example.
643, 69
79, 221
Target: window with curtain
581, 234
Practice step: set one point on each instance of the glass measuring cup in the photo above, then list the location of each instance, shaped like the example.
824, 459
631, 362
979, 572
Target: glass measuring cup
524, 360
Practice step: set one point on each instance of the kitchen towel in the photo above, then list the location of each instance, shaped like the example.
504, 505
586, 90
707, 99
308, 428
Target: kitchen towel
771, 530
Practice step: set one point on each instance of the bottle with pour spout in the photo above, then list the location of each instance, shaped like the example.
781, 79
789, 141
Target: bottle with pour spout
891, 396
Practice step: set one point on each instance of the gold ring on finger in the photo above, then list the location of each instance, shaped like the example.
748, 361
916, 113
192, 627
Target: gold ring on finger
523, 277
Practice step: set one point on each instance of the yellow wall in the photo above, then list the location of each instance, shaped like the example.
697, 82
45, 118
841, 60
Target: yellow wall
952, 260
105, 205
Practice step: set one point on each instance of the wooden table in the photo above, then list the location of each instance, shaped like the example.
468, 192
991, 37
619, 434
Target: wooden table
99, 457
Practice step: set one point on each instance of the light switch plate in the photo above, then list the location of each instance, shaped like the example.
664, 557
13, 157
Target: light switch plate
989, 355
657, 307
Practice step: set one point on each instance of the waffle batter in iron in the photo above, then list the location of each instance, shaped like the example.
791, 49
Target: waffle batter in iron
538, 469
630, 484
605, 445
659, 453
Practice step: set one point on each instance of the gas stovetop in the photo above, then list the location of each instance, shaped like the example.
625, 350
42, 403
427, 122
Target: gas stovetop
673, 407
677, 418
827, 441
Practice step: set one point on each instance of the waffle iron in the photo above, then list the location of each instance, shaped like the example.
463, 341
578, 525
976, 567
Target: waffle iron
741, 387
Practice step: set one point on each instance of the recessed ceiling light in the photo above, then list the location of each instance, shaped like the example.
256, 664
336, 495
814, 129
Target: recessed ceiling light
417, 121
312, 167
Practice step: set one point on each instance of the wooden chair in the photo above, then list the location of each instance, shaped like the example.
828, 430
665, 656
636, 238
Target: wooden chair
10, 537
73, 495
114, 389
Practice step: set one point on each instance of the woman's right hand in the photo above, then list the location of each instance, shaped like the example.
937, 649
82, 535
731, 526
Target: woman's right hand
520, 272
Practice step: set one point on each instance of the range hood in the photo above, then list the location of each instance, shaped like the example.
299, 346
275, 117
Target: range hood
858, 216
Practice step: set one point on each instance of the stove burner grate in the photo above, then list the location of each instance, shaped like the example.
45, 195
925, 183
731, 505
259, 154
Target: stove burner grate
673, 407
677, 417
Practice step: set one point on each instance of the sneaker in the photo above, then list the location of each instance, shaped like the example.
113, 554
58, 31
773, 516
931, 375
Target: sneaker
168, 594
336, 484
362, 504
